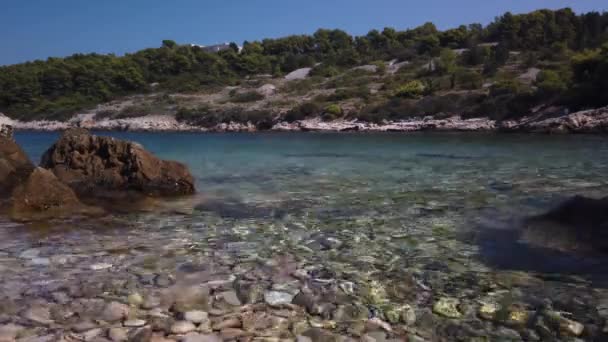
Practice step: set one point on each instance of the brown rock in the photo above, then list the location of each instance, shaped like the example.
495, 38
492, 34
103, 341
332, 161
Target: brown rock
15, 166
98, 166
43, 196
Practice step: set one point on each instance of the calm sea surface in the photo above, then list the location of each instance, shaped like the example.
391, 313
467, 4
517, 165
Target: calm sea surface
368, 209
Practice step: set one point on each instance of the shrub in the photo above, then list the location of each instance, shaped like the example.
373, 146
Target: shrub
504, 87
303, 111
550, 83
324, 70
332, 112
410, 90
468, 79
250, 96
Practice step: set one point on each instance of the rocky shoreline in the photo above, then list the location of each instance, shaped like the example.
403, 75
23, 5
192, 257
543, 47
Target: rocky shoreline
588, 121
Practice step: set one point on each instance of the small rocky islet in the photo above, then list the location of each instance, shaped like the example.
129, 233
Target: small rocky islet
241, 275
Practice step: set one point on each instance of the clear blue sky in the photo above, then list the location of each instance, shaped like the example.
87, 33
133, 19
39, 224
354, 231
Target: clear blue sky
37, 29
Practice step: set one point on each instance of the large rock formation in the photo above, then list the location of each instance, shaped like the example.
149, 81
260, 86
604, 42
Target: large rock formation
43, 196
15, 166
579, 224
101, 166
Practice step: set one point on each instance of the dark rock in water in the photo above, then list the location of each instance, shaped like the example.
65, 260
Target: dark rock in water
43, 196
578, 224
15, 166
572, 238
93, 165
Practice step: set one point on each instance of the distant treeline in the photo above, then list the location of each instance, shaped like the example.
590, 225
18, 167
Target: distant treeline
59, 86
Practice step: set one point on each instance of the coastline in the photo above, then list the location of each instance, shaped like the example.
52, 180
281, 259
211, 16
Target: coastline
587, 121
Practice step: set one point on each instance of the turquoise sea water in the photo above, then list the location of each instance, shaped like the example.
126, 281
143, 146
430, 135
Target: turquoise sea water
370, 208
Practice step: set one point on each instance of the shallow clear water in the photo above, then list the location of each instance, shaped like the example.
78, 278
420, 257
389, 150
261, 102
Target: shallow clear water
371, 209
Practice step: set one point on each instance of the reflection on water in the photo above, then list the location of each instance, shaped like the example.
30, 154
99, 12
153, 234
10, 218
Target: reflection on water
422, 215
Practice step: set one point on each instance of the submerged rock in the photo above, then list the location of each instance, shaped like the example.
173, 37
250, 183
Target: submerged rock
94, 166
447, 307
578, 224
43, 196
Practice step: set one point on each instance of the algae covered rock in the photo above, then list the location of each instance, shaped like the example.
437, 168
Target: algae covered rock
447, 307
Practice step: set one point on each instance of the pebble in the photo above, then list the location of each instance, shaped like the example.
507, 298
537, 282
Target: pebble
92, 334
99, 267
134, 323
115, 311
135, 299
10, 331
29, 253
228, 323
141, 335
277, 298
84, 326
232, 333
447, 307
163, 281
39, 262
196, 316
39, 314
182, 327
488, 310
118, 334
231, 298
201, 338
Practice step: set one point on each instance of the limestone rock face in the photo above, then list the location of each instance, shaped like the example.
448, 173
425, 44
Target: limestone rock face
43, 196
15, 166
6, 131
92, 165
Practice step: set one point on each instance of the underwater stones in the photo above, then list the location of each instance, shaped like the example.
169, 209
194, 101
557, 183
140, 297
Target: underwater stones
115, 311
196, 316
118, 334
374, 292
351, 312
39, 314
305, 300
190, 298
9, 332
396, 314
517, 317
250, 292
278, 298
100, 266
447, 307
134, 323
135, 299
182, 327
488, 311
231, 298
564, 324
201, 338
